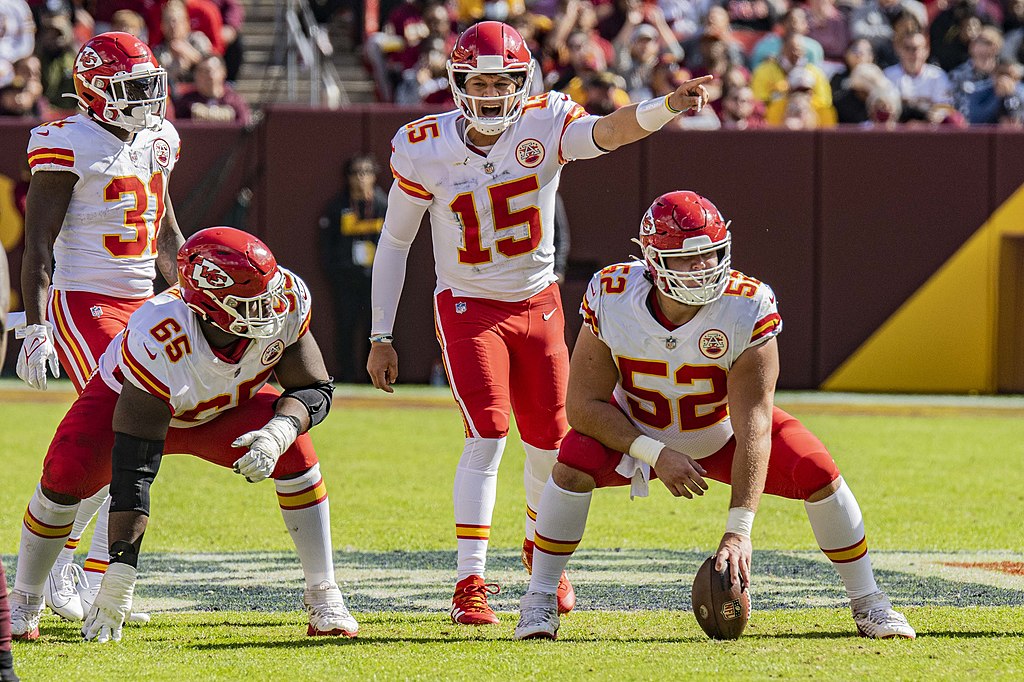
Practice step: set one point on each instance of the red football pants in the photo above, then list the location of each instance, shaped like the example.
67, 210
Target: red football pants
78, 461
799, 465
503, 355
83, 325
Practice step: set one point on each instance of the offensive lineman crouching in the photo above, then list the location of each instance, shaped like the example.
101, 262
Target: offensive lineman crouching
170, 383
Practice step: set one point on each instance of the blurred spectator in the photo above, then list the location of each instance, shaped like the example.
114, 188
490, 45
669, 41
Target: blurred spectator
182, 48
212, 99
804, 105
686, 18
666, 76
1013, 30
103, 12
23, 96
636, 59
751, 15
969, 76
770, 79
858, 52
349, 231
471, 11
885, 108
875, 18
129, 21
603, 93
532, 27
716, 26
715, 60
56, 51
954, 28
17, 36
232, 15
427, 81
794, 22
829, 26
741, 110
395, 48
1001, 98
577, 19
921, 85
850, 98
584, 58
203, 17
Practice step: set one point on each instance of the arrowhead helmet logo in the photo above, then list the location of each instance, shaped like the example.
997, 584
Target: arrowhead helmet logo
208, 275
87, 59
647, 224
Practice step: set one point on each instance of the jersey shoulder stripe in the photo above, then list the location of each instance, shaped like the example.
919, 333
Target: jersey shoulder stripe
142, 376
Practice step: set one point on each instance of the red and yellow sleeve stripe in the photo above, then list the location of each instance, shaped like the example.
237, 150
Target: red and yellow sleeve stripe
413, 189
57, 156
305, 324
845, 555
589, 316
555, 547
577, 112
308, 497
143, 375
765, 326
466, 531
45, 530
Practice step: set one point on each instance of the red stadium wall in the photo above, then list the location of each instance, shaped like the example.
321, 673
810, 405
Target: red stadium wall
845, 225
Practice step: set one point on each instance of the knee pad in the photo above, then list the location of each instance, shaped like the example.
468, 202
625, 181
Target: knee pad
813, 473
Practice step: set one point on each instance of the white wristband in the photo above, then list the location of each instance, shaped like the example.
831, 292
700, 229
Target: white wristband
646, 449
654, 114
741, 520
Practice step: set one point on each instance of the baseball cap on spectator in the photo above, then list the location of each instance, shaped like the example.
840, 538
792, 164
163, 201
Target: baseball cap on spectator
645, 31
800, 79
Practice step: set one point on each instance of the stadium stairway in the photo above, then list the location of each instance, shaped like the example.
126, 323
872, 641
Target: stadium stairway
261, 81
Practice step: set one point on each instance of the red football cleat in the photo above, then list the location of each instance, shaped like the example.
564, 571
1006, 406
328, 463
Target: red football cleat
469, 605
566, 594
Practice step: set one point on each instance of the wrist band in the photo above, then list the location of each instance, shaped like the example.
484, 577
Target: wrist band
646, 449
741, 520
653, 114
382, 338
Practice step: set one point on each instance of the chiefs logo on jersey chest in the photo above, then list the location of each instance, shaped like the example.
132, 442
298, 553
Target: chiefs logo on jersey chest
208, 275
530, 153
273, 353
713, 344
162, 152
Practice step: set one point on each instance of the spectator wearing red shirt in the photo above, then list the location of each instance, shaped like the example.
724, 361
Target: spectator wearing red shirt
232, 14
203, 16
212, 99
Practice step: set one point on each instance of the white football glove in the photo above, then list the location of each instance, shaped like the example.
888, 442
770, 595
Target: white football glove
112, 605
37, 352
265, 447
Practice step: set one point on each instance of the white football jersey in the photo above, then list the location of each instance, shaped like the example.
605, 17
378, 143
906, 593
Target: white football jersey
491, 217
672, 383
107, 244
163, 352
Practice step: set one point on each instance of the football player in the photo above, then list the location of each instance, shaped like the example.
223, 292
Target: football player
97, 205
189, 375
673, 377
487, 172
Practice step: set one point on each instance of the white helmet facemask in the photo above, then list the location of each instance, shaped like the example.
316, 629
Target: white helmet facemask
134, 101
472, 107
692, 287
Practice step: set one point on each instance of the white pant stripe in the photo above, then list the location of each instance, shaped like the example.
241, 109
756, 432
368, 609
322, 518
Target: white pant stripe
473, 431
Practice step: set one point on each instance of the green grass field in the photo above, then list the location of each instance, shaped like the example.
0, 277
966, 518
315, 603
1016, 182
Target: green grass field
941, 485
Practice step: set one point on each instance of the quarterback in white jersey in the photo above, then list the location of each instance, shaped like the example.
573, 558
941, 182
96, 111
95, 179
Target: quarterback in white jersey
98, 205
189, 375
488, 173
673, 377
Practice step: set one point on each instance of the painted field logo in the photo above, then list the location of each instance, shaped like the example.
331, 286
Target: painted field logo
530, 153
713, 344
731, 610
273, 352
162, 152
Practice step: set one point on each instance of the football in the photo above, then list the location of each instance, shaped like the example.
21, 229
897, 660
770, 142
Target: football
722, 609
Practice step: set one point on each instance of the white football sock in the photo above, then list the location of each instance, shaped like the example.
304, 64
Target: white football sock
86, 510
561, 519
307, 515
839, 529
98, 558
44, 529
536, 473
474, 491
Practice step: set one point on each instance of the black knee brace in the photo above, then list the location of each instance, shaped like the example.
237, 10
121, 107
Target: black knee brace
135, 463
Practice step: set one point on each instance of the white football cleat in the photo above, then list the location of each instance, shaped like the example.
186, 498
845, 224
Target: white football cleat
61, 591
876, 618
538, 616
87, 593
328, 615
25, 612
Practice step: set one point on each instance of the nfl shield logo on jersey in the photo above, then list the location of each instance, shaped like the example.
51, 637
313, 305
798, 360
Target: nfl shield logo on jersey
460, 307
208, 275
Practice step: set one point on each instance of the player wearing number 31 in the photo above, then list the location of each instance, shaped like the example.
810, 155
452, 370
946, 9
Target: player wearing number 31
487, 173
673, 377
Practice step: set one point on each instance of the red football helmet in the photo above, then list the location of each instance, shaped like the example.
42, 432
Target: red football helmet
686, 224
230, 278
118, 81
490, 47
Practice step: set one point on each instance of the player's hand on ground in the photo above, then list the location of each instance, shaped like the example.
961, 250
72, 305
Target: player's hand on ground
113, 603
691, 95
681, 474
737, 550
382, 365
266, 446
37, 353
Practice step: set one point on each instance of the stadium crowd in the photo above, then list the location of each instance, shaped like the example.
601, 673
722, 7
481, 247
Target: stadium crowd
198, 42
781, 63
